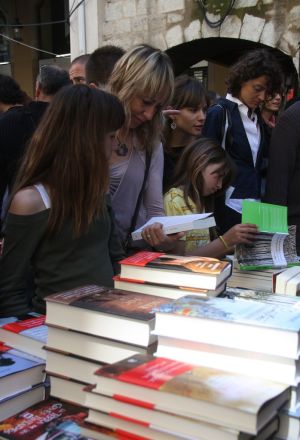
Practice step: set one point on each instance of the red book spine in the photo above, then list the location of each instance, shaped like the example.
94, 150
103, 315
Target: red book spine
19, 326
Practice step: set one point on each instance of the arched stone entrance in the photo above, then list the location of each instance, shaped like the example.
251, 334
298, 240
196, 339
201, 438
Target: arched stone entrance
225, 51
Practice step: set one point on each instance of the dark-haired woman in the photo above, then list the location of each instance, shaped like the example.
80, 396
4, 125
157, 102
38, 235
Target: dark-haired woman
59, 223
237, 124
190, 99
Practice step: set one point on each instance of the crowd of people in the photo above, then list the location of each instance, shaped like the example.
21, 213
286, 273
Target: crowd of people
118, 140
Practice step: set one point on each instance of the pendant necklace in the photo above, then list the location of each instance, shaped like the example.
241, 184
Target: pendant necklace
122, 149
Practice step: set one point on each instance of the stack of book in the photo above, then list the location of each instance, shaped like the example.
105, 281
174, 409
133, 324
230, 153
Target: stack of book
287, 282
91, 326
22, 363
158, 398
252, 279
256, 337
173, 276
26, 333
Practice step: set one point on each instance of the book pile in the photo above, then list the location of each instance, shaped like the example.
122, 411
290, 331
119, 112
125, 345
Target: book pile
162, 399
22, 372
252, 279
173, 276
287, 282
258, 337
91, 326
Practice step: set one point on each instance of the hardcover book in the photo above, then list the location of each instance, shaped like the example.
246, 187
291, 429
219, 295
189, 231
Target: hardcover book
178, 223
93, 347
109, 313
176, 270
26, 333
18, 372
263, 327
210, 395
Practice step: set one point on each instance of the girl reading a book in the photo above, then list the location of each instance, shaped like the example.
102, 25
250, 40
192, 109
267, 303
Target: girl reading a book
202, 174
181, 129
60, 224
143, 81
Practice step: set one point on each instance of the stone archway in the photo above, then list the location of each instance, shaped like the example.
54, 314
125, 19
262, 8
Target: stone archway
225, 51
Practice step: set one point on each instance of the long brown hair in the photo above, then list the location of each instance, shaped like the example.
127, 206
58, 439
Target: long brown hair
147, 71
188, 172
67, 153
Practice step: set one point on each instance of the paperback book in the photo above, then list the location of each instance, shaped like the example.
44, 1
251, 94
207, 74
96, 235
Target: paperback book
205, 394
172, 292
109, 313
262, 327
274, 244
178, 223
19, 402
18, 372
93, 347
176, 270
26, 333
157, 421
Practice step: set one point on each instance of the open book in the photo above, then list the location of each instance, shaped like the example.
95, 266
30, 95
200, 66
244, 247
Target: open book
274, 245
178, 223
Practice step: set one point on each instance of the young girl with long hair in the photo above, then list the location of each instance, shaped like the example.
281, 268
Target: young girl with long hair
60, 224
181, 129
143, 81
202, 174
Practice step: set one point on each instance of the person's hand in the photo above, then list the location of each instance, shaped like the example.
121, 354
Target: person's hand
155, 236
169, 111
241, 233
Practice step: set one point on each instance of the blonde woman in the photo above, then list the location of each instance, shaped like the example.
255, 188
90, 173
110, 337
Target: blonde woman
143, 81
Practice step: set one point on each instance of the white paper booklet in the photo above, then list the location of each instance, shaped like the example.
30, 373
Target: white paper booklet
178, 223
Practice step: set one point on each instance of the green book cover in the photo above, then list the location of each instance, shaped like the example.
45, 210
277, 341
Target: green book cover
268, 217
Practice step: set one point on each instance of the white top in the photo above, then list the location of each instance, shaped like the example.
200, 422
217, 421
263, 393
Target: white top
250, 124
44, 195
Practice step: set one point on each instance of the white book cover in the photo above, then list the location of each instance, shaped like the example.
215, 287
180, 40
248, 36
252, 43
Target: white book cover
178, 223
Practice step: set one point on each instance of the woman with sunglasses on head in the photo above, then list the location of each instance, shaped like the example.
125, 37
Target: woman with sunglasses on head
143, 81
60, 225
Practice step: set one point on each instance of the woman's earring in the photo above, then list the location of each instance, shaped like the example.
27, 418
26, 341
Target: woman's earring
173, 125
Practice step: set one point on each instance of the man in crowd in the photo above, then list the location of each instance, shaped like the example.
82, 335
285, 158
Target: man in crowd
77, 69
101, 64
18, 125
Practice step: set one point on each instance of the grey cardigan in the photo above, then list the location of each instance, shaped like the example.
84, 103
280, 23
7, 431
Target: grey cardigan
125, 197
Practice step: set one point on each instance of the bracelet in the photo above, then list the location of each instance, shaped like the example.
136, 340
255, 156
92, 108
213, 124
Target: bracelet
224, 242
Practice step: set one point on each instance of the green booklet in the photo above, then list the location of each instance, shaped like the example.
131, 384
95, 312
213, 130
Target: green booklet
275, 244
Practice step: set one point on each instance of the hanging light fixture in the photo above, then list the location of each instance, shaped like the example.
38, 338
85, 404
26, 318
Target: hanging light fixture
17, 29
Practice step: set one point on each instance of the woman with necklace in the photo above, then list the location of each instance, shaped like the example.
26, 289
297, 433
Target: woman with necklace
181, 129
143, 81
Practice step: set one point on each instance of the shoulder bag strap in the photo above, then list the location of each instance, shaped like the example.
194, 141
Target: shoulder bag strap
139, 199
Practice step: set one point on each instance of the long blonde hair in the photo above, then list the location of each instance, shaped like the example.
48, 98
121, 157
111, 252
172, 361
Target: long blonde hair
146, 71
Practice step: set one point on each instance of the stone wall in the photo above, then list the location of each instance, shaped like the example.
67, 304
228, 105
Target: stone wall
168, 23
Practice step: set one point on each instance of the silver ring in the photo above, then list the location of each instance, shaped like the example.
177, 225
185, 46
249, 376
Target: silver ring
148, 236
